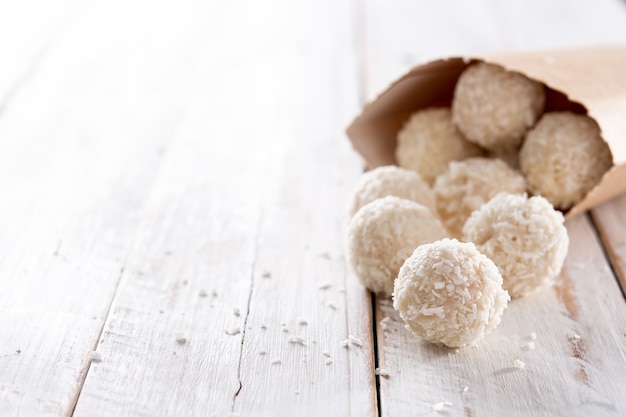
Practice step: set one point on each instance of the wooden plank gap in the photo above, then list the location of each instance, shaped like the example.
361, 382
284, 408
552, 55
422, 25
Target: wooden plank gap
607, 253
255, 257
376, 352
85, 371
361, 42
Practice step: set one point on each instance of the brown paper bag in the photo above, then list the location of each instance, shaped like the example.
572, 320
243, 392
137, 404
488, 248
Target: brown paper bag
591, 80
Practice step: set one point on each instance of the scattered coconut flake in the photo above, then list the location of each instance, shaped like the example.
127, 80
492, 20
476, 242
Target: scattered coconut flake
296, 392
345, 343
438, 406
332, 305
381, 372
519, 364
266, 273
384, 323
263, 325
355, 341
181, 338
465, 389
328, 361
262, 352
297, 340
276, 361
94, 356
302, 321
530, 346
285, 330
233, 331
236, 311
202, 293
326, 353
214, 292
325, 255
325, 286
576, 336
533, 335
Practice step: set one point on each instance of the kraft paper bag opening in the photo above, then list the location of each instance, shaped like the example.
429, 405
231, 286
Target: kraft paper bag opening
586, 81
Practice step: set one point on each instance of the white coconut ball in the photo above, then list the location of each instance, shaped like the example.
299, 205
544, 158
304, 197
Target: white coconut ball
564, 157
429, 140
382, 234
525, 237
449, 293
468, 184
494, 107
391, 180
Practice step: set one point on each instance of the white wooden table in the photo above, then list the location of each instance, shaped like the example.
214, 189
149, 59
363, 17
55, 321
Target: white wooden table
173, 180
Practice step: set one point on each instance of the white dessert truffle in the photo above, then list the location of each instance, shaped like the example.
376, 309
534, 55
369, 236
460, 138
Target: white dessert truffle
564, 157
382, 234
525, 237
429, 140
468, 184
449, 293
494, 107
391, 180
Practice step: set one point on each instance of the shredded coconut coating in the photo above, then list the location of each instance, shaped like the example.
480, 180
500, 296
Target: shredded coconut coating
564, 157
525, 237
429, 141
391, 180
449, 293
468, 184
382, 234
494, 107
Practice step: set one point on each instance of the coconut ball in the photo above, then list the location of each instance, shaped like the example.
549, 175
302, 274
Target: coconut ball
468, 184
494, 107
564, 157
429, 140
525, 237
382, 234
449, 293
391, 180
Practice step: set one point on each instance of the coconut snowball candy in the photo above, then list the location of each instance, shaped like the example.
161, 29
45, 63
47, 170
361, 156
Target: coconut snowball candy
525, 237
494, 107
468, 184
391, 181
429, 140
563, 157
382, 234
449, 293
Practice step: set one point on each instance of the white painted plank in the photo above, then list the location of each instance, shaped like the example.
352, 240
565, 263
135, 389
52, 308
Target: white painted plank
28, 29
249, 203
80, 145
576, 367
610, 220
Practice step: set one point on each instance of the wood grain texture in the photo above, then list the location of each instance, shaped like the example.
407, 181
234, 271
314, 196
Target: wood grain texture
610, 221
576, 366
242, 227
80, 145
